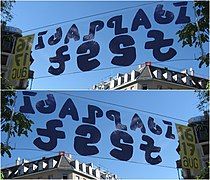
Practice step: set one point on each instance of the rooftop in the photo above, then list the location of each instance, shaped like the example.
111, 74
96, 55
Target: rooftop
147, 71
62, 160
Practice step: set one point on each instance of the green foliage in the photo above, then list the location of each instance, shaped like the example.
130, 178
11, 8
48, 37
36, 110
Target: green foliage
204, 174
2, 175
189, 35
203, 96
17, 126
6, 7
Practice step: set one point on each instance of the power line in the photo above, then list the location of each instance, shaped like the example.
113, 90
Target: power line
108, 68
100, 157
89, 16
118, 105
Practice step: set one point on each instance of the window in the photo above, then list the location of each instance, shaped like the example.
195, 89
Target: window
4, 60
144, 86
65, 176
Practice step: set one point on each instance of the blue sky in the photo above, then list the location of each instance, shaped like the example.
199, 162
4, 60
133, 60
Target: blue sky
178, 104
34, 14
174, 104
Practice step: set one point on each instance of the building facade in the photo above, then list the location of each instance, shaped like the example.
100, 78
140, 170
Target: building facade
61, 166
147, 76
8, 42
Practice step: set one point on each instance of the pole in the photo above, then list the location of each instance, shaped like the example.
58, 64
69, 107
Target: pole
31, 83
178, 173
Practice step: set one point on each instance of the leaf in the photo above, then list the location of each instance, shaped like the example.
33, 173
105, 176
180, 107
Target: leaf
198, 12
11, 102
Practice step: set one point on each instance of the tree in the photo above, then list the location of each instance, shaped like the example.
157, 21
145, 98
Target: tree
6, 14
203, 96
12, 123
204, 172
197, 33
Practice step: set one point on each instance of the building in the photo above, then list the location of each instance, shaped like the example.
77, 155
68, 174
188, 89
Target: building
61, 166
200, 125
147, 76
8, 41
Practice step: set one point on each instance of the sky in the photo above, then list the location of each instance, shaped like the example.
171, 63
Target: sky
173, 106
30, 16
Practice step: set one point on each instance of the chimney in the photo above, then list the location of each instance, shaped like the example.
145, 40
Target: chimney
120, 80
62, 153
192, 72
76, 164
18, 161
89, 168
68, 155
113, 83
94, 87
126, 77
148, 63
184, 71
83, 167
97, 173
25, 161
133, 75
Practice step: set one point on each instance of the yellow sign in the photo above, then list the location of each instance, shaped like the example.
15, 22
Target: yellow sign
188, 151
21, 60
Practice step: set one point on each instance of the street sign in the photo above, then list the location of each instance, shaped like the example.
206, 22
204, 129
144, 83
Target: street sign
21, 59
188, 152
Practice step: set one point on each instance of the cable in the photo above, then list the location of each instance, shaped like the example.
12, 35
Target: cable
100, 157
89, 16
122, 106
108, 68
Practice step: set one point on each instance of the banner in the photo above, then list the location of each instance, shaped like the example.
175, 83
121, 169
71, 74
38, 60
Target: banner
123, 46
188, 151
62, 119
21, 60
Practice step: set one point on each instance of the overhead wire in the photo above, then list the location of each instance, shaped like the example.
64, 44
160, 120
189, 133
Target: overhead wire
93, 15
89, 16
119, 67
118, 105
99, 157
63, 22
